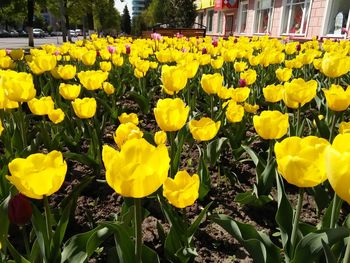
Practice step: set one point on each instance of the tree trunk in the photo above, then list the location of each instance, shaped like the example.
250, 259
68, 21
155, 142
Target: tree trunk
30, 22
63, 21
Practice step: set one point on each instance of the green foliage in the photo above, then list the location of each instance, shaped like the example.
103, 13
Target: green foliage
126, 21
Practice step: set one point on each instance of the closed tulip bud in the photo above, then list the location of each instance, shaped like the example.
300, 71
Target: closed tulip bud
160, 137
39, 174
173, 78
273, 93
234, 112
66, 72
171, 114
192, 68
217, 63
6, 63
17, 54
344, 127
41, 106
337, 165
138, 169
301, 161
204, 51
249, 76
69, 91
117, 60
125, 118
298, 47
335, 65
211, 83
84, 108
271, 124
89, 58
240, 66
127, 49
19, 210
108, 88
43, 63
284, 74
204, 129
56, 116
183, 190
337, 98
105, 66
125, 132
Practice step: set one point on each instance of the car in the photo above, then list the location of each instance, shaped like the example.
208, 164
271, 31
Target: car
78, 32
72, 33
13, 33
56, 33
38, 32
4, 33
22, 33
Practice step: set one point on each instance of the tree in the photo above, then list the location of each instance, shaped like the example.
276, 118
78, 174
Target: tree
126, 21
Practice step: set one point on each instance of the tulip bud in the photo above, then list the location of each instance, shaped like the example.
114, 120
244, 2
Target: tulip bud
128, 49
19, 209
215, 43
242, 82
298, 47
204, 51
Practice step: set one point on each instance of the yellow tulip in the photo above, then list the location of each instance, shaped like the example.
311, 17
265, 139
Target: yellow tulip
271, 124
217, 63
42, 63
84, 108
298, 92
125, 118
173, 78
105, 66
138, 169
17, 54
160, 137
1, 127
240, 94
92, 80
284, 74
240, 66
335, 65
251, 108
38, 174
56, 116
5, 102
337, 98
183, 190
6, 63
41, 106
171, 114
69, 91
224, 93
66, 72
211, 83
249, 76
108, 88
338, 166
204, 129
301, 161
234, 112
344, 127
192, 68
125, 132
89, 58
19, 86
273, 93
117, 60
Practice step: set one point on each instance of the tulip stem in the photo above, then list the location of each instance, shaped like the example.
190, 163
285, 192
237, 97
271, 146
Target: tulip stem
347, 252
25, 240
296, 221
138, 230
298, 123
48, 218
334, 118
211, 106
335, 210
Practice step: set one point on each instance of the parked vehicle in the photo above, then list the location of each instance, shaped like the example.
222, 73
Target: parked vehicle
38, 32
22, 33
78, 32
13, 33
4, 33
56, 33
72, 33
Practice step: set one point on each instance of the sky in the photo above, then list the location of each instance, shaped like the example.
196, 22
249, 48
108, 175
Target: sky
120, 5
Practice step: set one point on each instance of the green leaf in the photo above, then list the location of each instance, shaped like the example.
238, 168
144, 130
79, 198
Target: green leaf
39, 226
250, 198
81, 246
330, 258
149, 255
84, 159
258, 244
284, 214
4, 225
143, 102
214, 149
204, 177
15, 254
125, 246
255, 157
326, 219
266, 178
311, 247
194, 226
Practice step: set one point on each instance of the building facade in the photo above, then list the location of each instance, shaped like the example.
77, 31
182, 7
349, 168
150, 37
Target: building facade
293, 18
137, 7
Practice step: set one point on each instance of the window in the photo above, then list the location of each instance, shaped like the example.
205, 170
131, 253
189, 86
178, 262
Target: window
338, 17
263, 16
210, 20
243, 16
230, 25
219, 29
200, 19
295, 17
